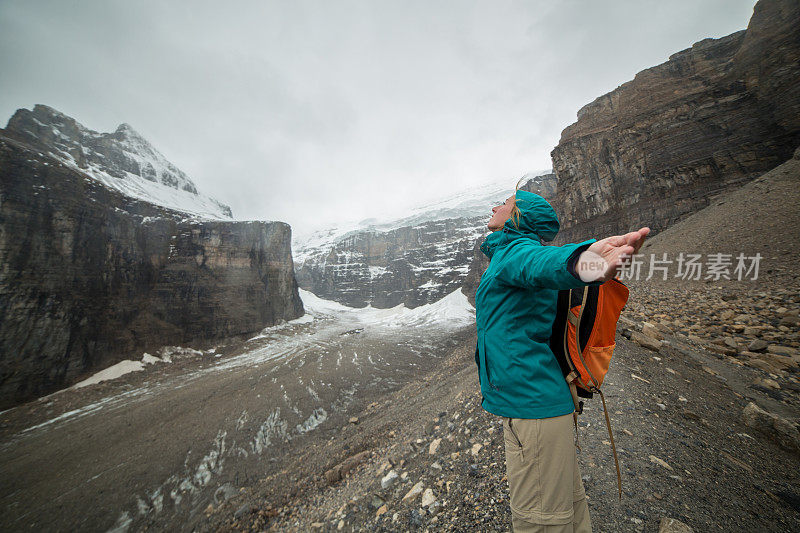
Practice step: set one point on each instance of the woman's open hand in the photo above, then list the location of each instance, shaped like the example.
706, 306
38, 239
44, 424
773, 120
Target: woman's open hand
602, 260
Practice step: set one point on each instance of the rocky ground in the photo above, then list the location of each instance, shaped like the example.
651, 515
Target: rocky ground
739, 325
692, 449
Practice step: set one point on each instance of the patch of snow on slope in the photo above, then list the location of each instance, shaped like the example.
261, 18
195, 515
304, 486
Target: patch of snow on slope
120, 369
151, 191
269, 330
454, 310
315, 305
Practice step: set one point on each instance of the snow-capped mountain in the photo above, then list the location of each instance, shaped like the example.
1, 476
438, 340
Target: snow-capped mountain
122, 160
413, 260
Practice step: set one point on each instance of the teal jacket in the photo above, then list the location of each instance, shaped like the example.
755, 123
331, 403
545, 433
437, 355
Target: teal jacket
515, 306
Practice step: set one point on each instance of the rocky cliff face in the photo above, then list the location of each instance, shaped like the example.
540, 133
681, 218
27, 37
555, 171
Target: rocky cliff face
663, 145
89, 276
544, 185
122, 160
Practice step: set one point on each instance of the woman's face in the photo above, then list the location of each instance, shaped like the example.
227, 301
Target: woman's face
501, 213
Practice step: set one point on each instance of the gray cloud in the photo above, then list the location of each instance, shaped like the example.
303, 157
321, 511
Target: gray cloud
311, 112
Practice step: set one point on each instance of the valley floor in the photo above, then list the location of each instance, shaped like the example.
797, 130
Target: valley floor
155, 448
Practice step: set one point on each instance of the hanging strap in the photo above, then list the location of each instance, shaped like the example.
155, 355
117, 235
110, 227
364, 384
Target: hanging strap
576, 321
611, 437
573, 390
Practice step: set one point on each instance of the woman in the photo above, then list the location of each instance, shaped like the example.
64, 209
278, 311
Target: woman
520, 378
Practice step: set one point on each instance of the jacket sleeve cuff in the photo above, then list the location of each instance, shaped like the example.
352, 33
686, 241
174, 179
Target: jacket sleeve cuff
572, 262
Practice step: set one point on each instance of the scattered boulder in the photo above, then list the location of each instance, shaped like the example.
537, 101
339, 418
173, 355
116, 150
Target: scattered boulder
790, 321
721, 349
762, 364
415, 491
434, 447
646, 341
767, 383
786, 351
651, 331
333, 475
670, 525
731, 343
757, 345
340, 471
389, 479
779, 361
626, 323
428, 498
772, 426
664, 328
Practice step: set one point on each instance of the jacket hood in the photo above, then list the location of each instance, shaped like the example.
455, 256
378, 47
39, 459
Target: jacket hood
537, 220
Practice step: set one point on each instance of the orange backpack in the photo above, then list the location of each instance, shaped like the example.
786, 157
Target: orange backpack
583, 340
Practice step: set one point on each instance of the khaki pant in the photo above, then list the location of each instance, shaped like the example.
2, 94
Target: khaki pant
542, 467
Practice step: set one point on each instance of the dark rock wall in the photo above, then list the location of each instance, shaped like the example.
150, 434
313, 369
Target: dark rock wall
663, 145
89, 277
544, 185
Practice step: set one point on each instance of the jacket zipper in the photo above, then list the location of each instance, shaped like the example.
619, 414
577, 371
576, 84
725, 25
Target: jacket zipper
487, 373
486, 364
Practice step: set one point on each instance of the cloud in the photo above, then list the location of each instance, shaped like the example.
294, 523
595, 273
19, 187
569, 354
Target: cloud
312, 112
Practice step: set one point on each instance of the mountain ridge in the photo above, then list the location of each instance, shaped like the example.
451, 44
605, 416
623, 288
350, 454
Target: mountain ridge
123, 160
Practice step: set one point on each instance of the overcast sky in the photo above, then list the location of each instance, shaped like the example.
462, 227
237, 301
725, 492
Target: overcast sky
312, 112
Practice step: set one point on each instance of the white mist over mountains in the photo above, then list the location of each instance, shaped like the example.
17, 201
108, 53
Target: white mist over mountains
315, 113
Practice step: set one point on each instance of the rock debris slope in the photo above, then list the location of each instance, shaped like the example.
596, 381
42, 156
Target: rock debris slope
429, 458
